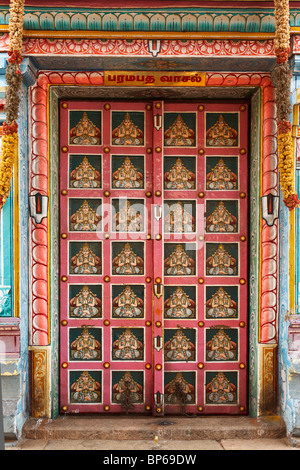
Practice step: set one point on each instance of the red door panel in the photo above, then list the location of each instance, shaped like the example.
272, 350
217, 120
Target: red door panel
205, 283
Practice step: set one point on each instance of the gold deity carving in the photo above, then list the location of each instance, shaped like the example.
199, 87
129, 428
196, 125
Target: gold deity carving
128, 347
127, 262
178, 389
128, 305
220, 347
220, 305
179, 348
179, 220
221, 220
179, 263
127, 176
85, 347
220, 390
127, 133
221, 178
85, 389
128, 219
221, 263
85, 304
85, 262
85, 132
179, 177
221, 134
85, 219
179, 305
127, 389
179, 134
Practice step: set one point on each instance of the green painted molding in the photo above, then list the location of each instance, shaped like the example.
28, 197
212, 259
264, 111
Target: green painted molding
254, 240
54, 248
147, 19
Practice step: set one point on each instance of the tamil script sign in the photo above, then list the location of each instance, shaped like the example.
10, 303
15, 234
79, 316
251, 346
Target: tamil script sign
161, 79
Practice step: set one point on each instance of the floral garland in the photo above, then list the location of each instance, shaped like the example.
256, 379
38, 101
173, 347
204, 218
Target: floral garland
282, 80
9, 150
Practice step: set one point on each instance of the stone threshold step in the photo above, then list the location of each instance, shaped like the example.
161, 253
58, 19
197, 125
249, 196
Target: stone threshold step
146, 428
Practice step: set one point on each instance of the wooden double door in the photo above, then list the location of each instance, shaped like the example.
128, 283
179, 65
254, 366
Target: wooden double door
153, 257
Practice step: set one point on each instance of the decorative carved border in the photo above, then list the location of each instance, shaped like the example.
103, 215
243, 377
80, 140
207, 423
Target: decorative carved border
269, 379
140, 47
295, 43
40, 397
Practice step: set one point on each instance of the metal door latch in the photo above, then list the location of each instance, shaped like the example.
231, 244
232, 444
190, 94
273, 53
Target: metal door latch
158, 290
157, 212
157, 343
158, 398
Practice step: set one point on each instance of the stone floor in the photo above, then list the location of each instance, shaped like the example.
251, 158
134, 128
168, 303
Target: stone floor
127, 445
137, 433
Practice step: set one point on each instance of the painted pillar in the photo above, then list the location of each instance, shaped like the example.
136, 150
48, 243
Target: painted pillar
289, 318
14, 328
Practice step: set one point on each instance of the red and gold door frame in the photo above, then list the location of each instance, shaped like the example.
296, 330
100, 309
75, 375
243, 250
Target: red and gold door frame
265, 318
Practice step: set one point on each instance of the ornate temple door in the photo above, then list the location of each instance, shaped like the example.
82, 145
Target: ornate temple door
153, 257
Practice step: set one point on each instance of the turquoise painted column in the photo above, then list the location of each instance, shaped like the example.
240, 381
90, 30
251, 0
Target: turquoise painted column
6, 259
6, 232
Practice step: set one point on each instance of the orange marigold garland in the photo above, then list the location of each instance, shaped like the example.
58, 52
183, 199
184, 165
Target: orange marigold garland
282, 80
9, 150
